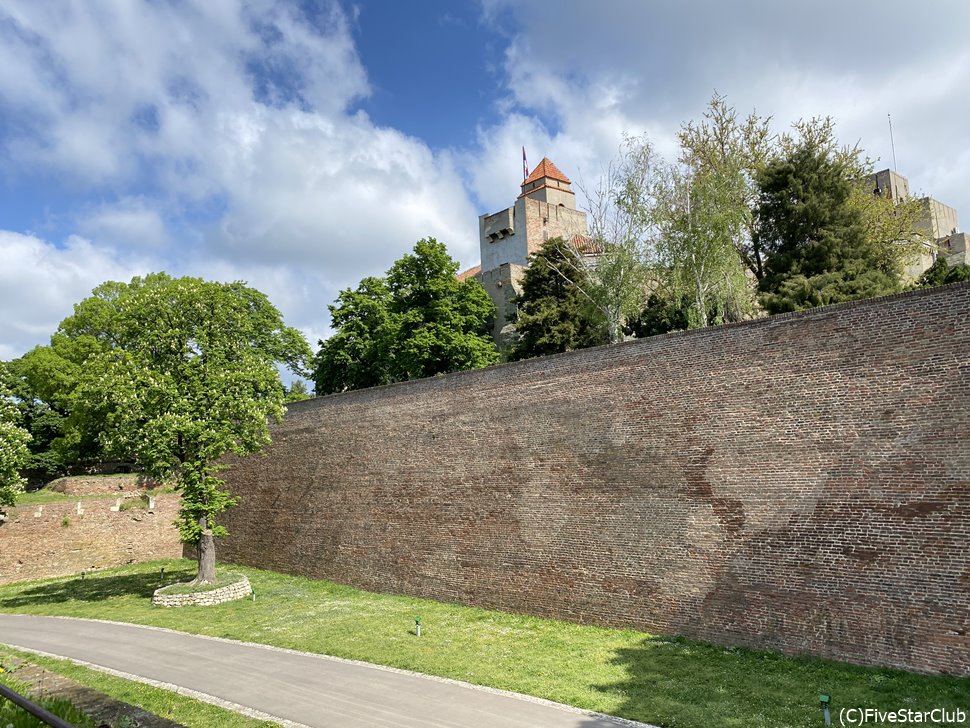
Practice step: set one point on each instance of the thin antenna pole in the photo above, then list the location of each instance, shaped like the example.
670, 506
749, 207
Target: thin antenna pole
891, 142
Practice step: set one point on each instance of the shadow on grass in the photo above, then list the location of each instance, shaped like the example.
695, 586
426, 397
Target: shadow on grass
93, 588
676, 682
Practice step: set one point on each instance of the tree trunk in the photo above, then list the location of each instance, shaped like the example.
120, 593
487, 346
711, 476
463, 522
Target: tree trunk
207, 555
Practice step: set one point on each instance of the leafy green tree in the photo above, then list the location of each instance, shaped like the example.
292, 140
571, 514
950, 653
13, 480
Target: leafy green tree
418, 321
441, 323
813, 239
554, 314
891, 226
620, 224
13, 450
297, 392
358, 355
725, 147
699, 225
183, 373
662, 314
941, 273
43, 382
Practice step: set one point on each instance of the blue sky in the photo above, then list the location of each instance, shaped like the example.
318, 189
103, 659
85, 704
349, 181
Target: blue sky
300, 146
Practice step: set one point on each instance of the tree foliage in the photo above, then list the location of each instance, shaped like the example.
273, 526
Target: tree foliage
941, 273
13, 448
297, 392
182, 373
700, 223
554, 315
417, 321
620, 226
723, 147
814, 241
44, 383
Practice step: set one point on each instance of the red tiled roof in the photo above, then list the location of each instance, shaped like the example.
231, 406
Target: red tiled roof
586, 245
545, 168
470, 273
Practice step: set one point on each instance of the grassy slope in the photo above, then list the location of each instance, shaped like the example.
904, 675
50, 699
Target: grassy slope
178, 708
668, 682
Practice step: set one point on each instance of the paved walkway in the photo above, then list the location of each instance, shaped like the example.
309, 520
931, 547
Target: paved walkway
293, 688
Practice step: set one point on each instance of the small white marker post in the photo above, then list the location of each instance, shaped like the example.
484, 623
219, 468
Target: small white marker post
417, 625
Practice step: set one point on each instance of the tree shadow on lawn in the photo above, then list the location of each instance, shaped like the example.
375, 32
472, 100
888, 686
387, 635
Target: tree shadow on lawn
672, 681
92, 588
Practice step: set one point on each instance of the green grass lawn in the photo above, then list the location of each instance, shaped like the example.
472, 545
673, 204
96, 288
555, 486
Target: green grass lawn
13, 716
665, 681
164, 703
41, 497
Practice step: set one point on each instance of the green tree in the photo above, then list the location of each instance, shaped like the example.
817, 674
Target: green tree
297, 392
13, 449
723, 146
358, 354
184, 373
554, 315
699, 225
620, 226
418, 321
44, 383
441, 323
662, 314
813, 239
941, 273
891, 226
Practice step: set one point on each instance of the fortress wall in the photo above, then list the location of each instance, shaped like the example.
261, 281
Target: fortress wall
800, 483
67, 537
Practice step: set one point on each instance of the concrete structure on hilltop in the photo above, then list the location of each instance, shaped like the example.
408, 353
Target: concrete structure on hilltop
545, 209
939, 223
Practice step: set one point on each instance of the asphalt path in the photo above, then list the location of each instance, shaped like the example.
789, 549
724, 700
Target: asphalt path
293, 688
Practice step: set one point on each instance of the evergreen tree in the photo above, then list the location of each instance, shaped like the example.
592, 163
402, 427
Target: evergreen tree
554, 314
814, 241
941, 273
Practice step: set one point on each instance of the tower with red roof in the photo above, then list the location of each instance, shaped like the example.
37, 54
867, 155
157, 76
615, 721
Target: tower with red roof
545, 208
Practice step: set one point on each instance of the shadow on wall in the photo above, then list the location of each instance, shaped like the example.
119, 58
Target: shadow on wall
672, 681
94, 588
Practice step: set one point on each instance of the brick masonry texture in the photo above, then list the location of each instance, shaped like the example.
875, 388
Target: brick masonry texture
92, 485
35, 543
800, 483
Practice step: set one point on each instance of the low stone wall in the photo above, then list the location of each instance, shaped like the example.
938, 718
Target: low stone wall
97, 484
58, 539
237, 590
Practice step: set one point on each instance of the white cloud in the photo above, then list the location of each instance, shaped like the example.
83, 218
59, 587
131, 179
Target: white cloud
589, 71
40, 282
238, 108
132, 222
218, 136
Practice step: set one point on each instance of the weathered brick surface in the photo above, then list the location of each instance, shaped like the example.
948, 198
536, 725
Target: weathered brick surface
93, 485
799, 483
57, 539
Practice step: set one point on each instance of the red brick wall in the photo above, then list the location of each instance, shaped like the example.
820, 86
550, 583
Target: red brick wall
35, 543
94, 484
799, 483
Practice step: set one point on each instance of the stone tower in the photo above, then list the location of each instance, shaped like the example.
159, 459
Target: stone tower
545, 208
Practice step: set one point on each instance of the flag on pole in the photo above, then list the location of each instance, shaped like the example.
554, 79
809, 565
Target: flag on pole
525, 166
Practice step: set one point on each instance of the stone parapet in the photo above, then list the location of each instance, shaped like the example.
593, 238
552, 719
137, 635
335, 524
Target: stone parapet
237, 590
